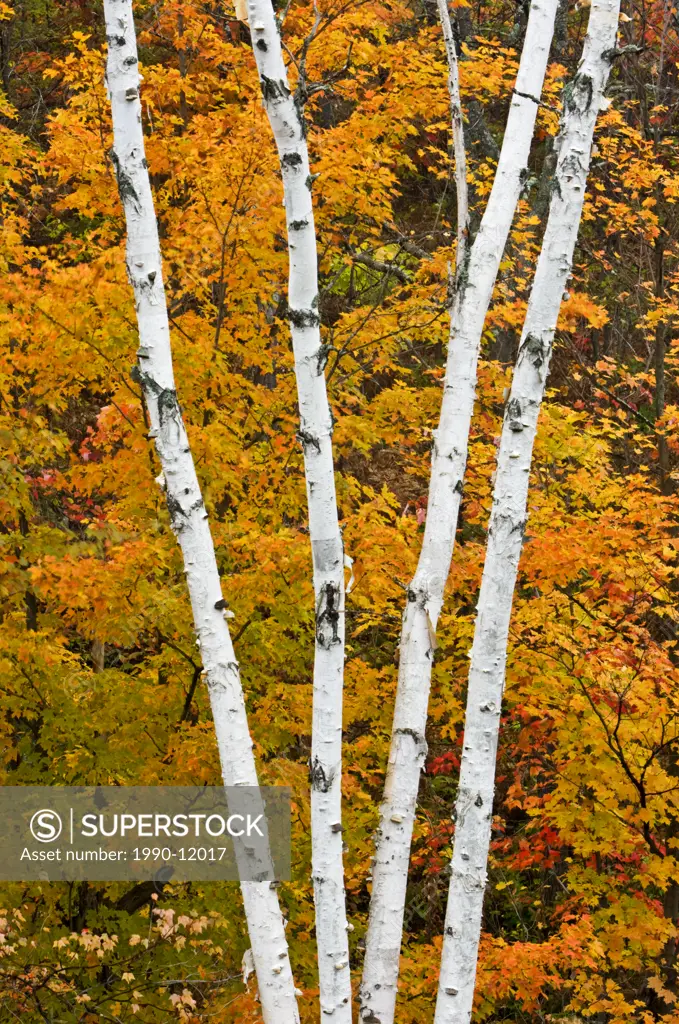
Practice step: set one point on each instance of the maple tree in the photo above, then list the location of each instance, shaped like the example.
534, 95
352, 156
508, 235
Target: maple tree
100, 678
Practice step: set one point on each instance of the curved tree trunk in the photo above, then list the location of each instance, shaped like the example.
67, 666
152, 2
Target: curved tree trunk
474, 288
474, 807
315, 433
184, 500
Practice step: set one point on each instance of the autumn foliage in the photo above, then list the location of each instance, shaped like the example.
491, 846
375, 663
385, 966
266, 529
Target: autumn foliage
99, 672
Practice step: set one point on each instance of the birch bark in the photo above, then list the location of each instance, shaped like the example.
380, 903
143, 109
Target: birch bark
457, 128
184, 500
474, 288
315, 434
583, 98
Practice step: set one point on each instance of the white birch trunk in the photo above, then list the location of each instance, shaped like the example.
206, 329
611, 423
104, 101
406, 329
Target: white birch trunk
474, 288
184, 499
315, 434
474, 807
457, 126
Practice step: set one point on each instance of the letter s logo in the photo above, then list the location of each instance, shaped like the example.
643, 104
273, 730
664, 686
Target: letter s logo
46, 826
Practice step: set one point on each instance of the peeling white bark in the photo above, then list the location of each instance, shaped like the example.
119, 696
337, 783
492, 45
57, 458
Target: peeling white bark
315, 433
457, 126
473, 812
184, 499
474, 288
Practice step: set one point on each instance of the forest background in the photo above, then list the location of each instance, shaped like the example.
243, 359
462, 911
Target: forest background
99, 675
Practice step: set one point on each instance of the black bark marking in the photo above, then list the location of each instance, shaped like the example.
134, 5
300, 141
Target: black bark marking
146, 380
301, 318
299, 99
534, 350
461, 283
291, 160
419, 741
514, 415
126, 188
306, 440
572, 166
220, 605
579, 91
298, 225
416, 736
168, 408
177, 515
319, 780
169, 411
261, 45
327, 616
273, 89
